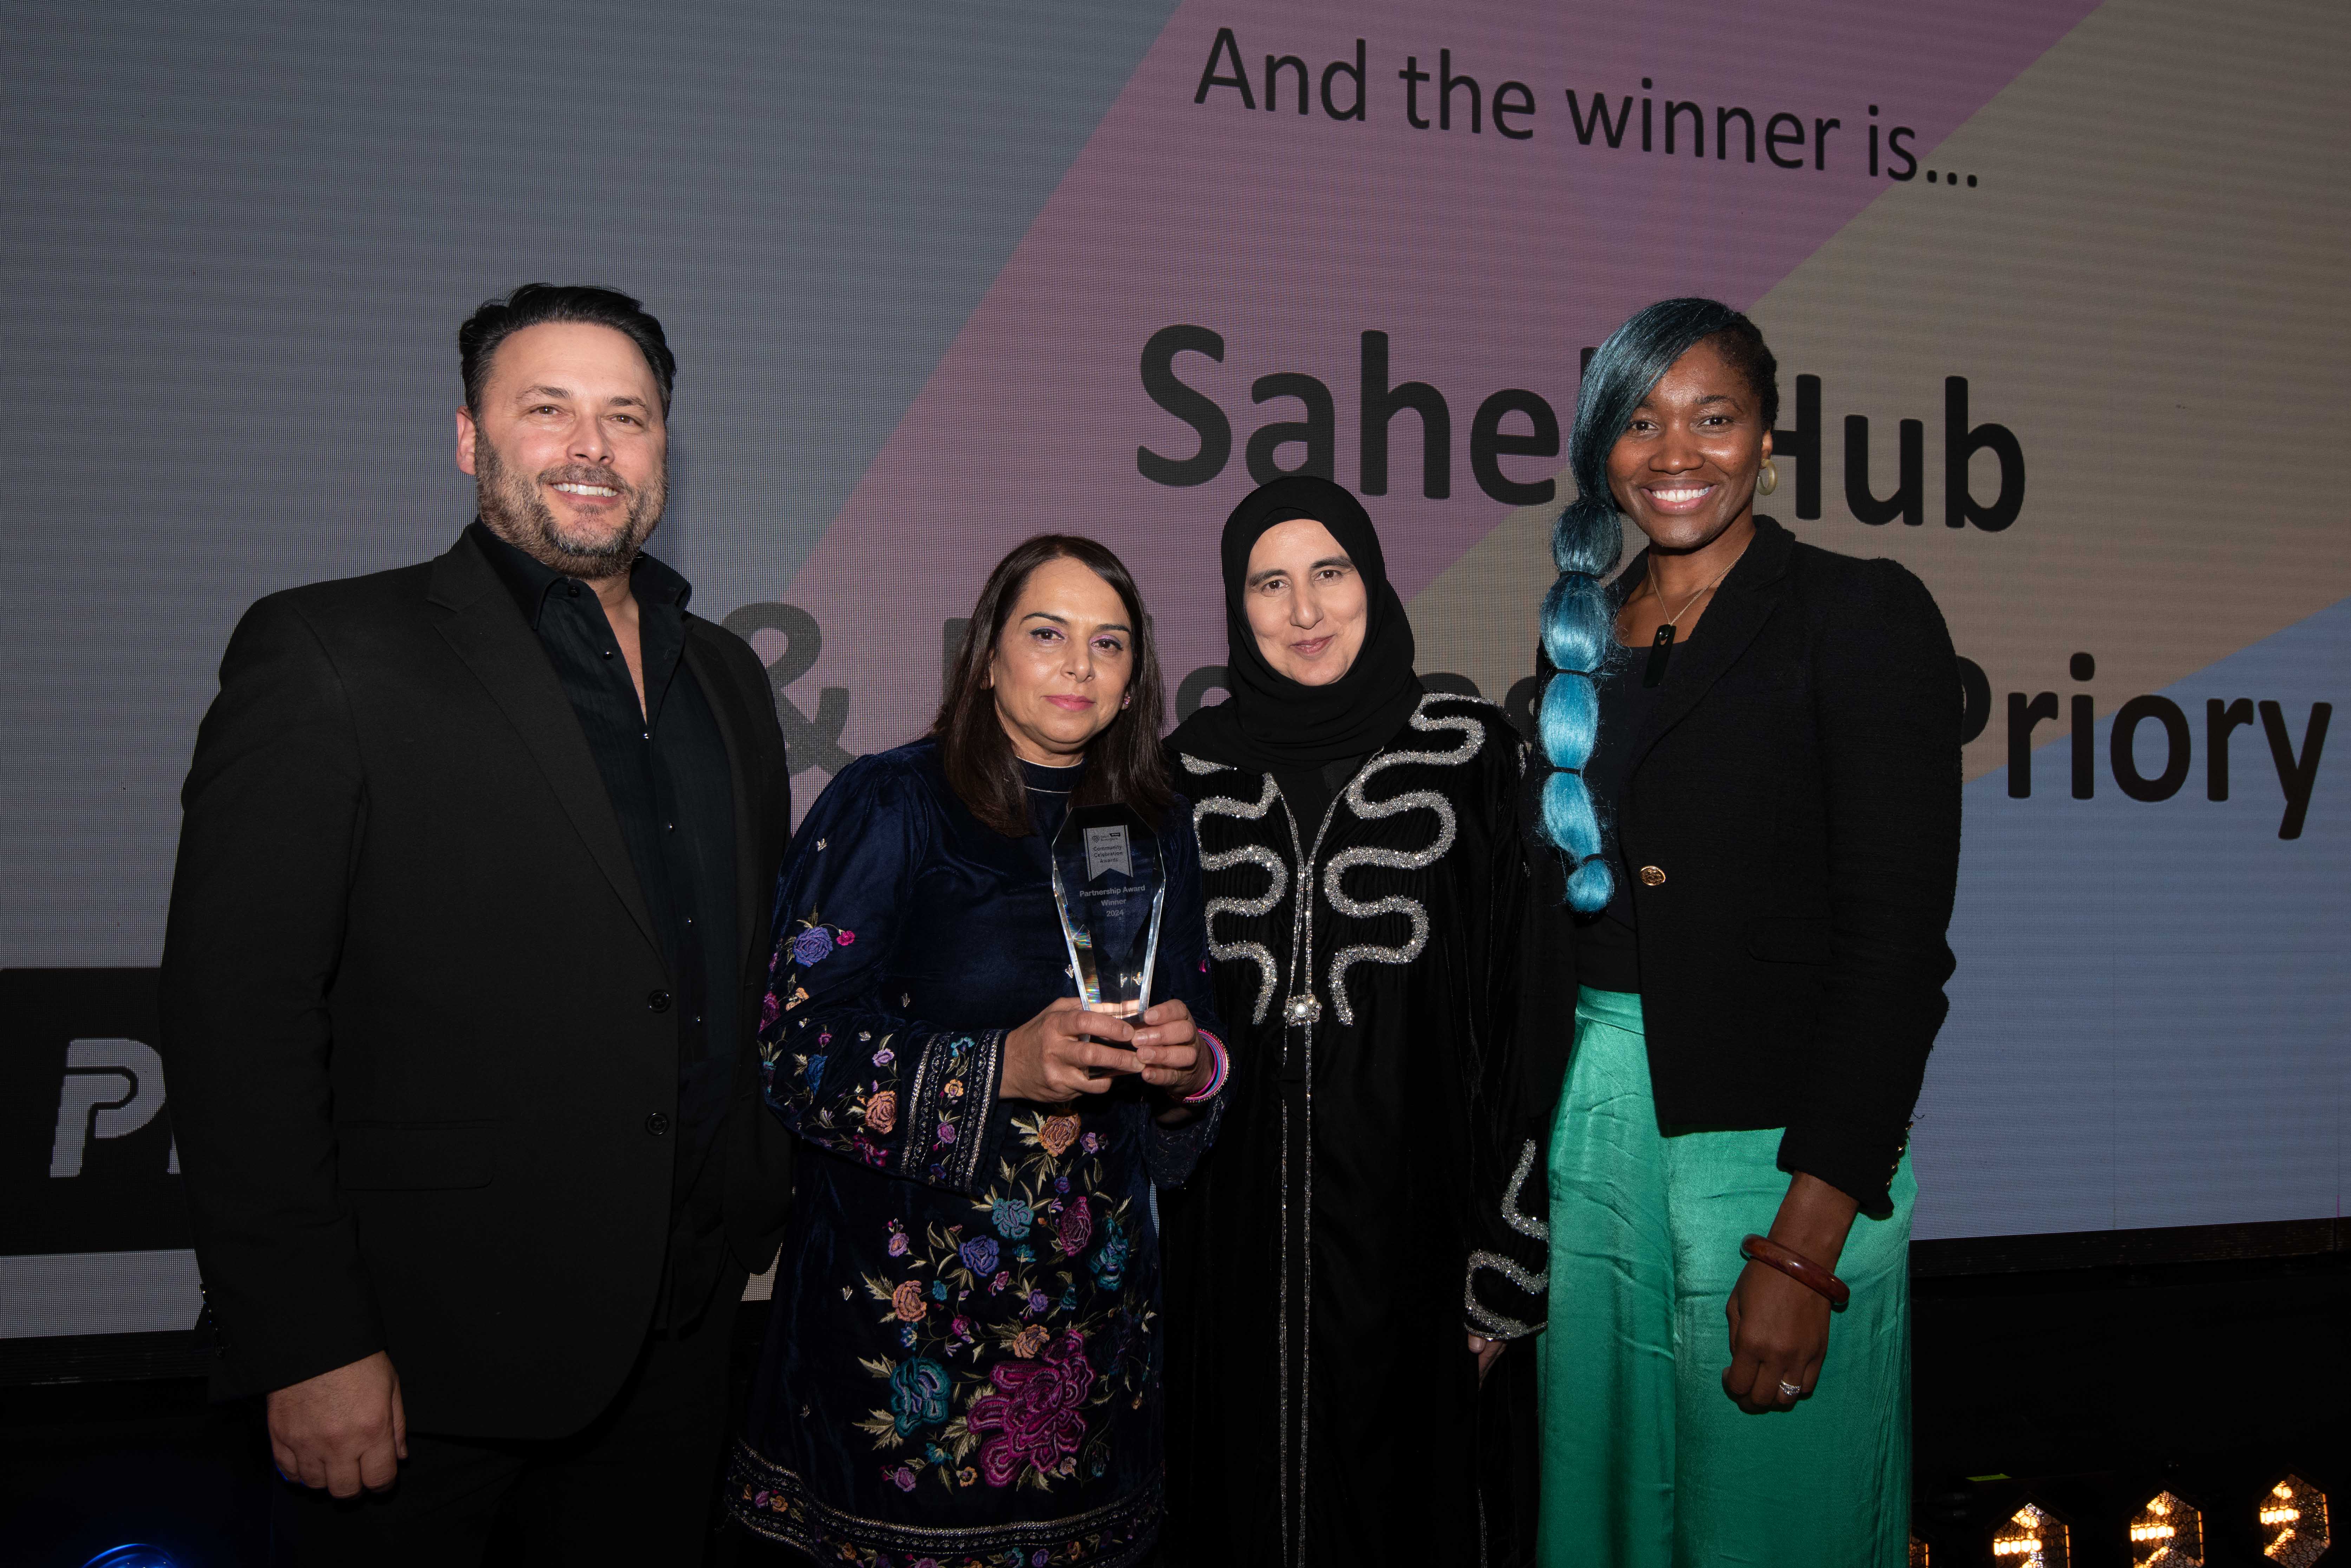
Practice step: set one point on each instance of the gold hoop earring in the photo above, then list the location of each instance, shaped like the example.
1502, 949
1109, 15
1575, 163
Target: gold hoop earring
1769, 480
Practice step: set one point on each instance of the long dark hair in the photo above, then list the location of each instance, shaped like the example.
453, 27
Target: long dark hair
1579, 618
1123, 763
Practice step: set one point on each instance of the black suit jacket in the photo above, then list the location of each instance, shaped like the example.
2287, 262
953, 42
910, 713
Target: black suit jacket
1796, 794
423, 1069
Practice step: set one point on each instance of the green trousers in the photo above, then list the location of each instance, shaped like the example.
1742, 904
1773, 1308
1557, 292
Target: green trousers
1645, 1461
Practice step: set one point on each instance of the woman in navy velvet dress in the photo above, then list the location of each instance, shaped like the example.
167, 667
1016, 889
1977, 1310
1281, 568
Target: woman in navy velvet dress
964, 1362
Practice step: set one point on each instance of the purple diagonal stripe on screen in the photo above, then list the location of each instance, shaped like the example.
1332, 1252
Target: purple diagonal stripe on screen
1486, 261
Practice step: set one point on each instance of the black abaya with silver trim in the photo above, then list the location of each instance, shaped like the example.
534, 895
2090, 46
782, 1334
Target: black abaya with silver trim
1377, 1191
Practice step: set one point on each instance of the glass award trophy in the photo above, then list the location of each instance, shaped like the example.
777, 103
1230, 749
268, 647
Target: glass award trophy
1109, 884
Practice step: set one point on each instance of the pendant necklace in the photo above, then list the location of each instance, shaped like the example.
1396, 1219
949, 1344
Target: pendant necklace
1661, 650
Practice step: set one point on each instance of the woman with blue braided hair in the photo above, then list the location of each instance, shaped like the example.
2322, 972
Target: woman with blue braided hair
1753, 793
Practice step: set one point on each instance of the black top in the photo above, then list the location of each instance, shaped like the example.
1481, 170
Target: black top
1608, 948
664, 767
1049, 790
1308, 791
1795, 786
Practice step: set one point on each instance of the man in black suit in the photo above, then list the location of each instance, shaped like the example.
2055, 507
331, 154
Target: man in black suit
468, 943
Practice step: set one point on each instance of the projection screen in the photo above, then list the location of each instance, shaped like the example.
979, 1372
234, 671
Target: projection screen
2056, 289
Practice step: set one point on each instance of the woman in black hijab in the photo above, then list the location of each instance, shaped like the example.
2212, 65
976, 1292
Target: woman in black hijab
1344, 1272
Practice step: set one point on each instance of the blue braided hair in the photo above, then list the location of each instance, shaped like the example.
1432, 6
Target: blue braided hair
1579, 615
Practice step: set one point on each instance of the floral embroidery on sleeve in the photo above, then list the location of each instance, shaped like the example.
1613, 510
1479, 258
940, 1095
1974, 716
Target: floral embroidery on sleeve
921, 1106
949, 1105
814, 944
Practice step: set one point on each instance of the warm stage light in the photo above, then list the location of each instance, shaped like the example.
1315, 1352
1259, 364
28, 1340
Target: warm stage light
2030, 1538
2168, 1533
2293, 1523
1918, 1552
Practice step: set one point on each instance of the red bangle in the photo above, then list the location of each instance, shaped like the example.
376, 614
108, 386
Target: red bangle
1797, 1266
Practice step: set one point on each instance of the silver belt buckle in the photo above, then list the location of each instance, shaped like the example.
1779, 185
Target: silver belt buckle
1301, 1009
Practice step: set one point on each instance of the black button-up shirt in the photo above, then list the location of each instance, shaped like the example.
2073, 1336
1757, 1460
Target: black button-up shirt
665, 769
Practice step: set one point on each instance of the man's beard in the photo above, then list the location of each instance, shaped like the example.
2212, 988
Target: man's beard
510, 505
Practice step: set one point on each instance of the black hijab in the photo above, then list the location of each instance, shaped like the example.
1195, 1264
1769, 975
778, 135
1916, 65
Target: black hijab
1269, 723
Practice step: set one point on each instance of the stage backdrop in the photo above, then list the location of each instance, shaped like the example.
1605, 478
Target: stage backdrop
2057, 290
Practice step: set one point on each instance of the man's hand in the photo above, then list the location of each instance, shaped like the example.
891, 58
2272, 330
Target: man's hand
344, 1430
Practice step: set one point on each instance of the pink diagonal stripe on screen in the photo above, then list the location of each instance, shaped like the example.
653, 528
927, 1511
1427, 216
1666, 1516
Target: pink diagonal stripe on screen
1488, 262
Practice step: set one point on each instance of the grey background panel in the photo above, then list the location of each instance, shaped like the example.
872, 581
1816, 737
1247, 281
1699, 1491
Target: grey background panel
239, 242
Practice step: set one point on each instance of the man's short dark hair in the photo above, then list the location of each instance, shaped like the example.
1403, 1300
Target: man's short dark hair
535, 305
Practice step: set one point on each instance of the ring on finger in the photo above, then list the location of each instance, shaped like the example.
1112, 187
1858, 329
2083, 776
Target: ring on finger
1790, 1390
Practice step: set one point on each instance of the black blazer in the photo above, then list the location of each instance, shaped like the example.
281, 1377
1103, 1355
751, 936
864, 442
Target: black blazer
1794, 801
415, 1015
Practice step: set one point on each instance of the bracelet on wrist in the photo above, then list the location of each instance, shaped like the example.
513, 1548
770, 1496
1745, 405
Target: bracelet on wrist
1217, 1079
1797, 1266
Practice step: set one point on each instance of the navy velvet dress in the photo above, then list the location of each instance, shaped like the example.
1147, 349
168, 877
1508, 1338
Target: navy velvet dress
964, 1361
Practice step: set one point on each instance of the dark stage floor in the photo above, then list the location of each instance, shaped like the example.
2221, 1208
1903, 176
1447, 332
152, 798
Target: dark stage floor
2084, 1391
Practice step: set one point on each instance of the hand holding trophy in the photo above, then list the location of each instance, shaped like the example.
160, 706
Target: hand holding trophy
1109, 887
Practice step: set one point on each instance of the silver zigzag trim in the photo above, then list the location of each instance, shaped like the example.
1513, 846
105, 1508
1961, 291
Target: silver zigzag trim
1277, 885
1473, 735
1493, 1325
1524, 1223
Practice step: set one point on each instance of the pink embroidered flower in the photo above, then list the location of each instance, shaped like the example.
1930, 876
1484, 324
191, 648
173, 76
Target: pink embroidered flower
884, 1057
770, 1010
882, 1111
1077, 1225
906, 1300
1035, 1416
905, 1479
997, 1285
898, 1245
1092, 1142
960, 1328
947, 1134
845, 938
